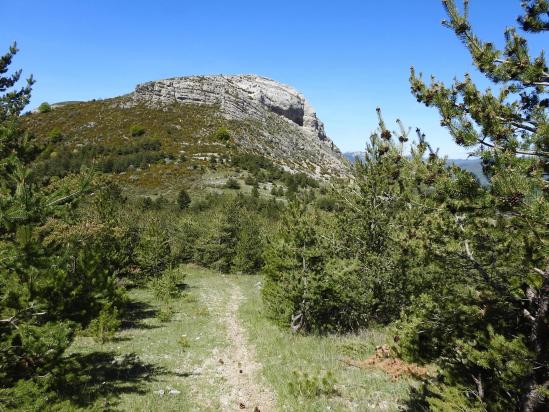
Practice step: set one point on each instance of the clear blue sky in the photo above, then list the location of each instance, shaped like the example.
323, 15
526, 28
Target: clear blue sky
346, 57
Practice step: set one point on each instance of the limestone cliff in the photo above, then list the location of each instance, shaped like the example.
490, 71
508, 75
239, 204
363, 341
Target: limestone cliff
286, 126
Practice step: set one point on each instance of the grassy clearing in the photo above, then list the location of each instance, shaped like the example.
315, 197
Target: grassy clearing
182, 355
149, 356
293, 361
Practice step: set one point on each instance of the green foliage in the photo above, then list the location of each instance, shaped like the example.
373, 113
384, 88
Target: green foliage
224, 232
363, 264
167, 285
250, 180
461, 267
255, 192
137, 130
222, 134
65, 160
183, 199
311, 386
308, 287
45, 108
152, 252
55, 135
147, 203
487, 327
263, 169
232, 183
165, 313
327, 203
58, 263
104, 327
248, 254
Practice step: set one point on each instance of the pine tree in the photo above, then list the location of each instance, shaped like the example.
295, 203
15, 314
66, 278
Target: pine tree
183, 199
496, 356
49, 284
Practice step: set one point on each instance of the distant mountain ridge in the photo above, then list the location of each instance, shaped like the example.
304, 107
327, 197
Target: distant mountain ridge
472, 165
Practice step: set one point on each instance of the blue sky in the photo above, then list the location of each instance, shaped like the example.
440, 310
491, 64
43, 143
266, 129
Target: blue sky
346, 57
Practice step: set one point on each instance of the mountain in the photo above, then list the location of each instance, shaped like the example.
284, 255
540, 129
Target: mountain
472, 165
352, 156
189, 130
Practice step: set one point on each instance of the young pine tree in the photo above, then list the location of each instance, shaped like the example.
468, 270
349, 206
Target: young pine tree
183, 199
49, 284
32, 335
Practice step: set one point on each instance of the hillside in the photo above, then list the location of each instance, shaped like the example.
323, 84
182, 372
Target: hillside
188, 130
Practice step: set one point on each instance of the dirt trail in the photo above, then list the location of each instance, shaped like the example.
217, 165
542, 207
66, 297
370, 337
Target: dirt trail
244, 387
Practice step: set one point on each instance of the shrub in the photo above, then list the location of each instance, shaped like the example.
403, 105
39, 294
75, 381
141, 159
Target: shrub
104, 327
161, 202
185, 234
250, 180
215, 247
232, 183
327, 203
222, 134
255, 192
147, 203
55, 135
311, 386
152, 252
249, 247
167, 285
137, 130
165, 313
45, 108
183, 199
363, 265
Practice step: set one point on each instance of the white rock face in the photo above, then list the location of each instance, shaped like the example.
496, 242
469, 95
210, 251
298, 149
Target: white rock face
251, 97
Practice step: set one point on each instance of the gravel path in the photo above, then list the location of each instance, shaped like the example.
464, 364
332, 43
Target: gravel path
244, 387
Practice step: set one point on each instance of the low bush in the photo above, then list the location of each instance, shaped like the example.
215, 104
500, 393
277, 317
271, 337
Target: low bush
167, 285
310, 386
183, 199
137, 130
104, 327
232, 183
165, 313
45, 108
55, 135
222, 135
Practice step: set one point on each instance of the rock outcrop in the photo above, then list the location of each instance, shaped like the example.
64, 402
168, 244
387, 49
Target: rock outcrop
288, 126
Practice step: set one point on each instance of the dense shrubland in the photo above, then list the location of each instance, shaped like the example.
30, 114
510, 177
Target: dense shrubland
264, 170
57, 160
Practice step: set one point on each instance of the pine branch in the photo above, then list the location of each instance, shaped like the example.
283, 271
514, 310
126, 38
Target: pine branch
15, 318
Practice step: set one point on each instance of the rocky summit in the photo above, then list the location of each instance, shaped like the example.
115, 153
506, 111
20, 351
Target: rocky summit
289, 129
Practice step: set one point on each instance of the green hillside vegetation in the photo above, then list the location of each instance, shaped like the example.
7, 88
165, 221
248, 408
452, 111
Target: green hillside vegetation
150, 262
147, 148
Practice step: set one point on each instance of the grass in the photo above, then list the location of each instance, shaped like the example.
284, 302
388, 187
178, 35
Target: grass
290, 360
149, 357
164, 355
